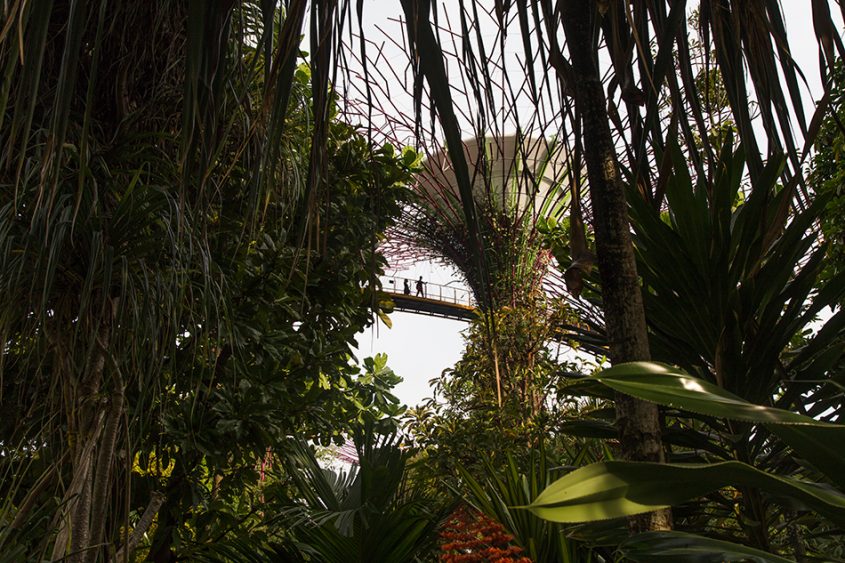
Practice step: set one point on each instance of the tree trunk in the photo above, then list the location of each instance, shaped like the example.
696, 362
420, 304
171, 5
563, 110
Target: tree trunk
72, 535
170, 510
91, 453
103, 474
127, 551
638, 422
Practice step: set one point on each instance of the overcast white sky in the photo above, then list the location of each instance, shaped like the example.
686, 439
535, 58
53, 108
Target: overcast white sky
418, 347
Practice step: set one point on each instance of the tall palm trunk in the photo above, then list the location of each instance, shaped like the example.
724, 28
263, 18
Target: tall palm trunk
638, 422
81, 523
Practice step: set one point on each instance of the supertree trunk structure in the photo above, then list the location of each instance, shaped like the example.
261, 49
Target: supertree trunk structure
521, 159
517, 182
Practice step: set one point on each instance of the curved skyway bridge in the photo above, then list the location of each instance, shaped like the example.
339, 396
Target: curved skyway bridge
434, 300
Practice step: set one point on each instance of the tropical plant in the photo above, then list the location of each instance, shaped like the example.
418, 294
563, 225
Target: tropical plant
216, 486
474, 415
751, 273
188, 237
827, 176
614, 489
730, 286
499, 491
467, 536
366, 512
646, 37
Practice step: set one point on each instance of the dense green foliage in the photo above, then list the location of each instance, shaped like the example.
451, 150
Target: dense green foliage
182, 288
189, 244
372, 512
730, 288
501, 398
614, 489
828, 175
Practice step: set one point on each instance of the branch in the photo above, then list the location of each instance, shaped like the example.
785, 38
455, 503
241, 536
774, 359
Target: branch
156, 500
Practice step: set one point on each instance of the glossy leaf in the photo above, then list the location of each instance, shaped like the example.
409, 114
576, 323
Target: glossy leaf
615, 489
678, 547
669, 386
673, 387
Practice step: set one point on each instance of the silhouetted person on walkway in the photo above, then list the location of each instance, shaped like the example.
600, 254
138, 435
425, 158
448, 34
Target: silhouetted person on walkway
420, 287
407, 289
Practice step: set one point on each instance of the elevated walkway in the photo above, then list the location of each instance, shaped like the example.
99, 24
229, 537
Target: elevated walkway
457, 303
435, 300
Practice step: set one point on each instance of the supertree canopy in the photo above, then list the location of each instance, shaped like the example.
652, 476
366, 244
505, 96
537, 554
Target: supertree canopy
517, 181
519, 156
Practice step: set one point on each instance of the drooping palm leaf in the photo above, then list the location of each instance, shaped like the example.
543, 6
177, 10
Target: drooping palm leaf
139, 141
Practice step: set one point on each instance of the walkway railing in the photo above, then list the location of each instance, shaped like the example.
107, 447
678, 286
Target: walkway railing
432, 291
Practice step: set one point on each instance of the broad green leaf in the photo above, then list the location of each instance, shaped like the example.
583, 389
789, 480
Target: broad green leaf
614, 489
677, 547
589, 428
669, 386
